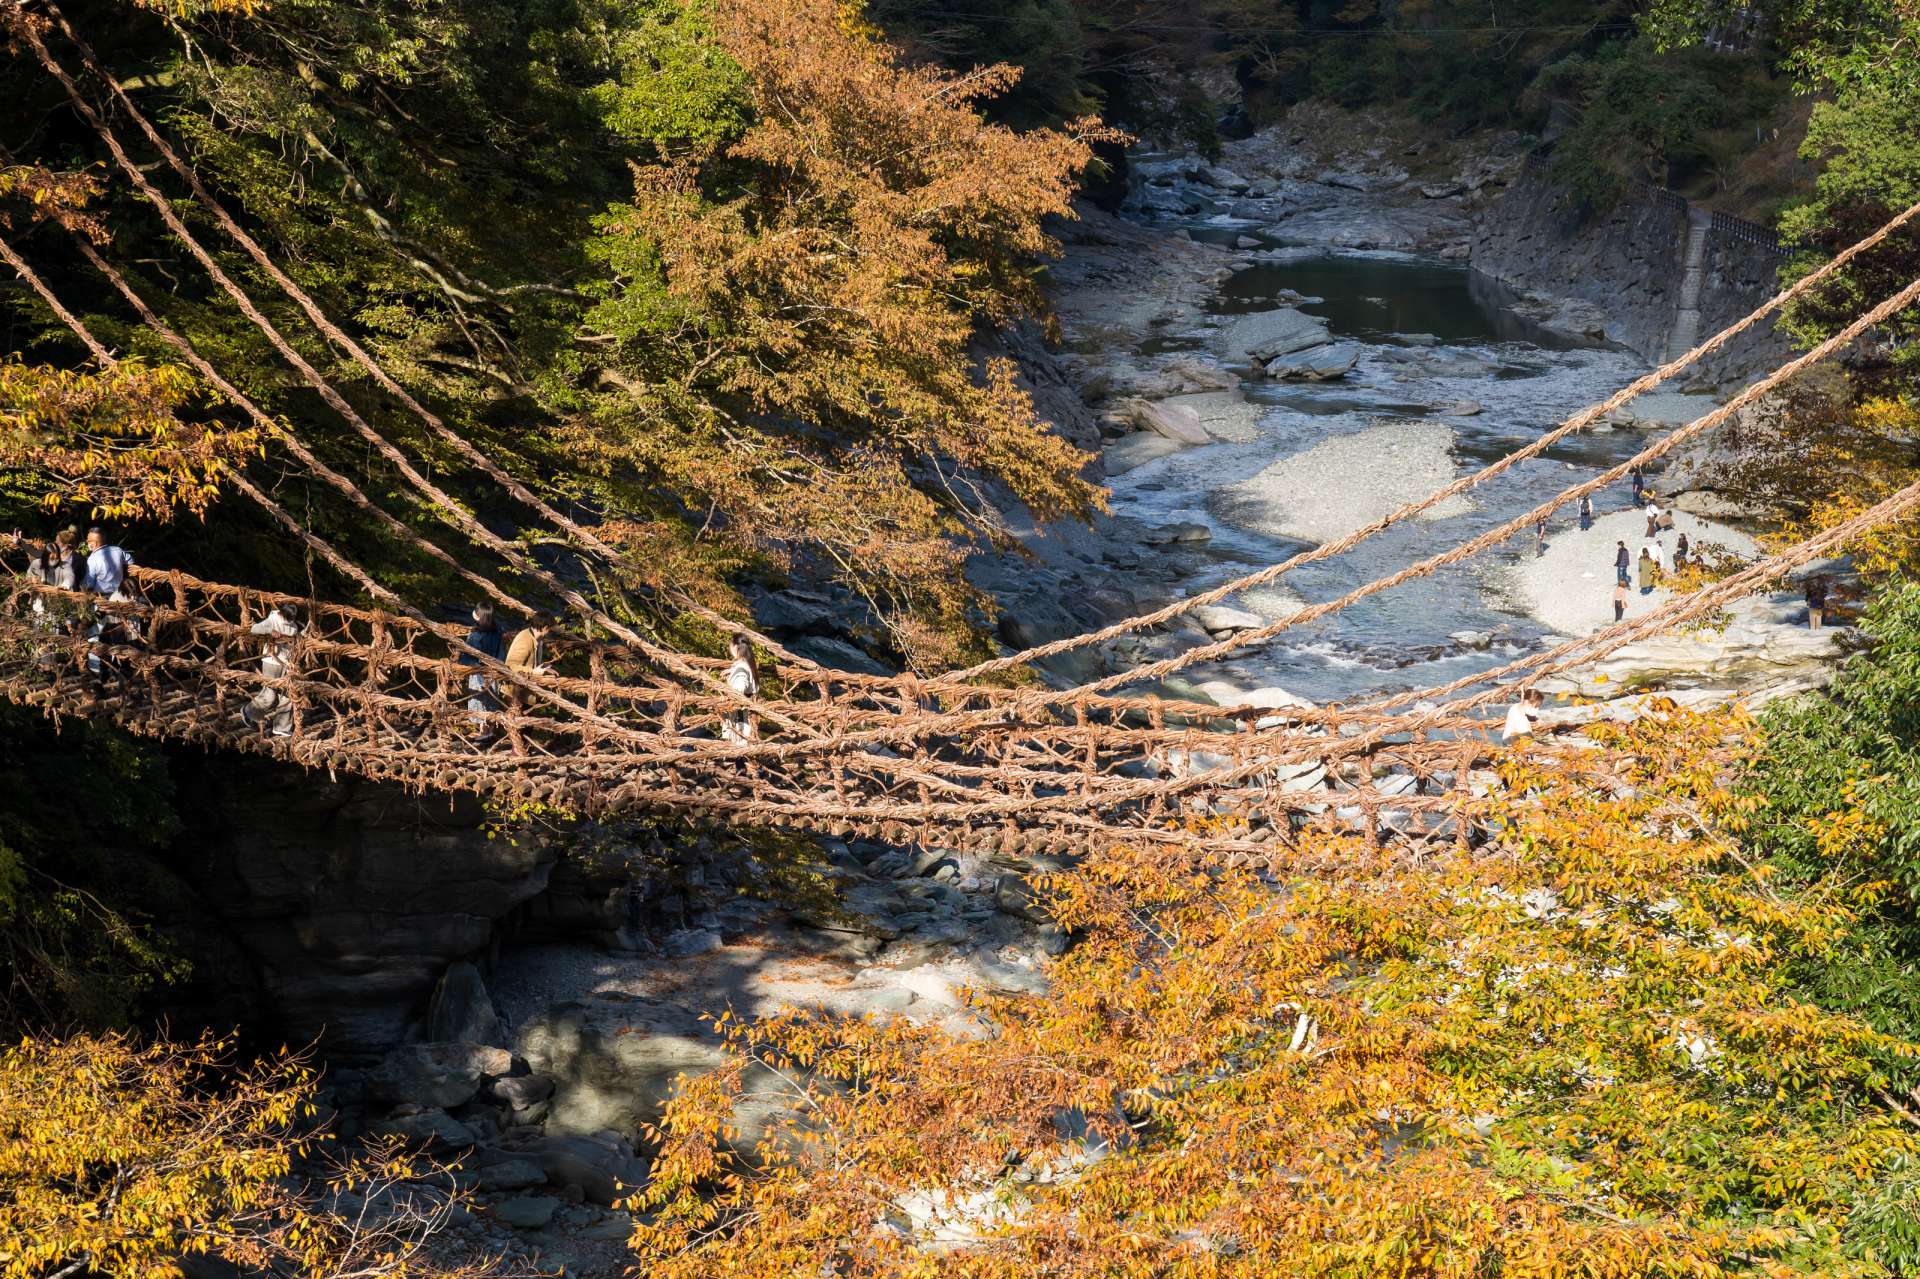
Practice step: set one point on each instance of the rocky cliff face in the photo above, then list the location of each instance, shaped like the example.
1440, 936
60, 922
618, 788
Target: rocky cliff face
1621, 272
1626, 262
351, 897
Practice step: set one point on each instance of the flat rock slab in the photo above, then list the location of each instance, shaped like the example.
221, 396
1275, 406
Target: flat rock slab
1345, 483
1264, 335
1136, 451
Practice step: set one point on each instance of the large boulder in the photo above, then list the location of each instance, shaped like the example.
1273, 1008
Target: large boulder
1177, 422
442, 1075
350, 897
434, 1128
461, 1011
1321, 364
1262, 336
601, 1165
1217, 619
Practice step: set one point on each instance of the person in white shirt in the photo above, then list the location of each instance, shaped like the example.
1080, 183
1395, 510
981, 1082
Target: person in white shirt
1520, 717
270, 705
743, 677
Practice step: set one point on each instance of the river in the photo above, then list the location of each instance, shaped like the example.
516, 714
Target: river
1430, 336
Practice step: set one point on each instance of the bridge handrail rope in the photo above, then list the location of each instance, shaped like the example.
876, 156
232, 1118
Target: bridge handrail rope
339, 337
1578, 422
1191, 601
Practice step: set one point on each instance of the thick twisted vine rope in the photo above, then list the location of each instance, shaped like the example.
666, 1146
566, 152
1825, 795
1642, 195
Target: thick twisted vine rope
1204, 653
345, 341
278, 513
585, 535
909, 727
443, 503
1578, 422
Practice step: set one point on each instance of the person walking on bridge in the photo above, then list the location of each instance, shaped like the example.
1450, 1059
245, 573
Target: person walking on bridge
106, 577
527, 655
271, 706
743, 677
1520, 717
107, 566
54, 565
485, 637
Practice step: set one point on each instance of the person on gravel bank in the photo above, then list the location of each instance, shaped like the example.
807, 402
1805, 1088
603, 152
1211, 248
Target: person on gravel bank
1816, 602
1622, 562
1619, 600
1647, 567
1586, 512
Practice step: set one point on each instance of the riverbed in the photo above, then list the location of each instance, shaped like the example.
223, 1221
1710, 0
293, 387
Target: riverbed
1448, 377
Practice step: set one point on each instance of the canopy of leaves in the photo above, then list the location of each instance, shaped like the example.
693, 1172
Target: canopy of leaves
1575, 1052
118, 1158
712, 268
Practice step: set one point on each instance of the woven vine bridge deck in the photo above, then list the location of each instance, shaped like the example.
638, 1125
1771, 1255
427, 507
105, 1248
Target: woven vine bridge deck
386, 697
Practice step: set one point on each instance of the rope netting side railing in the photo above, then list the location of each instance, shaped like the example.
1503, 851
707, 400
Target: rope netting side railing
346, 343
357, 693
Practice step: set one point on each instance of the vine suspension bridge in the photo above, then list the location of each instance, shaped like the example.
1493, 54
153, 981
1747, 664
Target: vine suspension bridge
381, 692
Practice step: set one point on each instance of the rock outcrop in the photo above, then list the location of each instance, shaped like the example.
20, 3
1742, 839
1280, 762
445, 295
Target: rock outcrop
1621, 271
351, 897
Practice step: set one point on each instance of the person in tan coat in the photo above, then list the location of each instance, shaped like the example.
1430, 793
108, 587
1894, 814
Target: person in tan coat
528, 655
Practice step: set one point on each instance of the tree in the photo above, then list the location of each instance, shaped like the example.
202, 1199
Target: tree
1857, 55
1575, 1051
118, 1158
792, 311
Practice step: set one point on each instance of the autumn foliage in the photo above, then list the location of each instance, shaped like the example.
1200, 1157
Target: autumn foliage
1577, 1050
123, 1159
797, 305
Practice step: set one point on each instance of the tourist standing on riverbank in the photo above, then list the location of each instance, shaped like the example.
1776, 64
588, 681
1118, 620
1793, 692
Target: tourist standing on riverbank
1619, 600
1647, 566
1540, 537
1639, 487
1816, 601
1586, 512
1622, 562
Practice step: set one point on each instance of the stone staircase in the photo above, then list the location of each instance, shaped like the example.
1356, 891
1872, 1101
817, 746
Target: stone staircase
1686, 319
